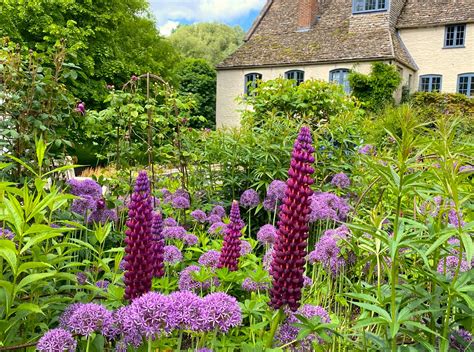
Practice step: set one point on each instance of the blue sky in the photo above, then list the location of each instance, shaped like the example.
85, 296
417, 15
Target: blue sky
170, 13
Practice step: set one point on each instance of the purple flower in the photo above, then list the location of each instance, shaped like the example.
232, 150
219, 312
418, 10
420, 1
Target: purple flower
328, 206
431, 208
124, 327
67, 314
186, 311
122, 265
89, 318
181, 193
341, 180
448, 265
80, 108
81, 278
6, 234
249, 199
86, 187
174, 232
139, 240
328, 252
218, 210
267, 260
56, 340
199, 215
275, 193
204, 350
267, 234
222, 312
170, 222
84, 204
307, 281
209, 258
289, 254
180, 203
188, 283
367, 149
467, 168
103, 284
460, 340
167, 195
217, 228
101, 216
158, 245
213, 218
455, 218
245, 248
231, 248
172, 255
150, 314
190, 239
250, 285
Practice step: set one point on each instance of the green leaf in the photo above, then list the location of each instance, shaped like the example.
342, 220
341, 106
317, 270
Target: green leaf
29, 307
8, 252
31, 279
32, 265
375, 309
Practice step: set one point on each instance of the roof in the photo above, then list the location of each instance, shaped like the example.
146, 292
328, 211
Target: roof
418, 13
337, 36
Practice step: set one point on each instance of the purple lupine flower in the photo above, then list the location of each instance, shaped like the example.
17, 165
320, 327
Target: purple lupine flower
56, 340
149, 313
210, 258
460, 340
245, 248
172, 255
6, 234
81, 278
158, 245
174, 232
448, 265
267, 234
188, 283
289, 254
250, 285
84, 204
199, 215
80, 108
190, 239
180, 203
287, 332
139, 240
85, 187
341, 180
89, 318
222, 312
230, 252
275, 193
328, 206
213, 218
217, 228
249, 199
367, 149
186, 311
103, 284
218, 210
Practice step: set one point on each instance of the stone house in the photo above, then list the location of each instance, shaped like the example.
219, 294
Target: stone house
430, 41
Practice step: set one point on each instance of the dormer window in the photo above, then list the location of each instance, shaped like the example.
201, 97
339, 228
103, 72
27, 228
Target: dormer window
251, 82
361, 6
296, 75
455, 36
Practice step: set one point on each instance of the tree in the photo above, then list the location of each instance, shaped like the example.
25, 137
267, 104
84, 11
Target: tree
210, 41
198, 77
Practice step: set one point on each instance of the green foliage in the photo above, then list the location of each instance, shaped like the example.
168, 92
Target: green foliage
376, 89
433, 105
312, 101
210, 41
198, 78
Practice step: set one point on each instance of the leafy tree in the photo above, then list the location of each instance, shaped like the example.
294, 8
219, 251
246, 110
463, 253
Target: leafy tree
210, 41
376, 89
198, 77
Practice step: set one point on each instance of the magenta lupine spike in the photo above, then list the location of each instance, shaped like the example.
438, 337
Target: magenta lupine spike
230, 253
139, 240
289, 251
158, 245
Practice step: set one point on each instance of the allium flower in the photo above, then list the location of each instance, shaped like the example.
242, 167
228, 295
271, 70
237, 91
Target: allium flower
67, 314
181, 193
222, 312
460, 340
139, 240
83, 205
174, 232
328, 252
158, 245
103, 284
150, 314
267, 260
188, 283
341, 180
289, 254
245, 248
89, 318
6, 234
250, 285
170, 222
125, 328
307, 281
186, 311
101, 216
81, 278
167, 195
199, 215
367, 149
249, 199
210, 258
217, 228
56, 340
328, 206
190, 239
172, 255
267, 234
275, 193
230, 253
218, 210
180, 203
448, 265
85, 187
214, 218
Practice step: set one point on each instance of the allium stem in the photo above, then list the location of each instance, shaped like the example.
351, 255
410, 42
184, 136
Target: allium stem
277, 319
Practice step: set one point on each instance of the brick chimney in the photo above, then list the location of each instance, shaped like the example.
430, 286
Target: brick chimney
307, 12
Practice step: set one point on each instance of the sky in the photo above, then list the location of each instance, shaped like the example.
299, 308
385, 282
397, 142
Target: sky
170, 14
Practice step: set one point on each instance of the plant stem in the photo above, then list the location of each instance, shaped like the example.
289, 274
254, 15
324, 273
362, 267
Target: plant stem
149, 344
274, 326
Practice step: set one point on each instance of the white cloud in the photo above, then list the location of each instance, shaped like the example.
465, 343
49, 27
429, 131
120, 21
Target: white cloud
203, 10
168, 27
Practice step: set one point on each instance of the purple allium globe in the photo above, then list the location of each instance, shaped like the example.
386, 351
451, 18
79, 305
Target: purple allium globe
448, 265
56, 340
102, 216
158, 245
250, 285
186, 311
218, 210
275, 193
328, 206
174, 232
267, 234
84, 204
85, 187
89, 318
199, 215
190, 239
180, 203
367, 149
249, 199
139, 240
170, 222
210, 259
150, 314
172, 255
289, 256
188, 283
245, 248
217, 228
230, 252
214, 218
67, 314
124, 327
222, 312
341, 180
167, 195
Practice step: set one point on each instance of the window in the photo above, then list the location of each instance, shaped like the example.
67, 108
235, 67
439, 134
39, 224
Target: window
430, 83
341, 76
455, 36
251, 82
466, 84
296, 75
359, 6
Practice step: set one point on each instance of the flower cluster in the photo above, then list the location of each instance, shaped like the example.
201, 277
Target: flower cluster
158, 245
57, 340
289, 251
275, 193
6, 234
172, 255
217, 228
267, 234
188, 283
210, 259
86, 318
447, 266
253, 286
231, 248
328, 206
341, 180
249, 199
199, 215
367, 149
460, 340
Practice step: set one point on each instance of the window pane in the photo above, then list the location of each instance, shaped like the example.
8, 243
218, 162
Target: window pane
359, 5
471, 90
463, 84
436, 84
370, 5
425, 84
450, 35
381, 4
460, 35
